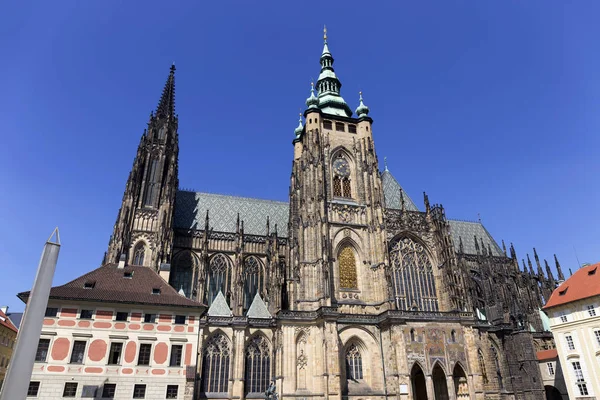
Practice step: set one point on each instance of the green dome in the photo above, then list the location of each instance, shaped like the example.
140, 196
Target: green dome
312, 101
362, 110
299, 128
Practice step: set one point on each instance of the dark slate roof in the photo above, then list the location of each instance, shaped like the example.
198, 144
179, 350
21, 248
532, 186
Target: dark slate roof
191, 207
391, 193
110, 285
16, 318
6, 322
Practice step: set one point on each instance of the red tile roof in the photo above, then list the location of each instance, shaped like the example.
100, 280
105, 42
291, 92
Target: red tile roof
109, 284
547, 354
584, 283
4, 321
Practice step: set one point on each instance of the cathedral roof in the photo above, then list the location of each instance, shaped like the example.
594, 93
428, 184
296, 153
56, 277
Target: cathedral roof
584, 283
131, 284
391, 193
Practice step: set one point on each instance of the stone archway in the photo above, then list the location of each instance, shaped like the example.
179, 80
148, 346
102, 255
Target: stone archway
461, 384
552, 393
419, 387
440, 387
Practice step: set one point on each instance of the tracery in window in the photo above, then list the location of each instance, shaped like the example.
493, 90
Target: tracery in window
139, 253
258, 365
152, 184
482, 366
347, 267
182, 272
215, 365
354, 369
341, 178
219, 276
414, 282
253, 280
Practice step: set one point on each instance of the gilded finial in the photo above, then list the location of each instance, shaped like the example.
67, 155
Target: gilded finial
325, 33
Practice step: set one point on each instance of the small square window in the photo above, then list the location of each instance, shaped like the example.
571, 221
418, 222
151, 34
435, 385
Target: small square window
150, 318
86, 314
89, 285
139, 391
172, 391
597, 334
340, 127
570, 343
180, 319
563, 317
351, 128
327, 125
70, 389
33, 389
550, 369
591, 310
122, 316
108, 391
51, 312
155, 290
128, 274
144, 355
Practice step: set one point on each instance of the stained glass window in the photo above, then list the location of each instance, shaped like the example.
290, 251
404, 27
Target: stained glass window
353, 363
215, 365
337, 186
414, 283
347, 266
219, 275
139, 253
253, 280
346, 187
258, 365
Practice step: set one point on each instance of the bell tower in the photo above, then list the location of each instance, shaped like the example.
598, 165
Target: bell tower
337, 238
143, 231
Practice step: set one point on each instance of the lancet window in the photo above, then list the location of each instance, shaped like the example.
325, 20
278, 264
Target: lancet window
152, 185
414, 283
182, 272
341, 178
347, 267
215, 365
258, 365
354, 370
253, 280
219, 276
138, 254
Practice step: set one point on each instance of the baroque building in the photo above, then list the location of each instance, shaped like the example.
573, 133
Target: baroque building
349, 290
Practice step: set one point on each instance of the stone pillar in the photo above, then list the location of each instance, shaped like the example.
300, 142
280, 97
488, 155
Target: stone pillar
237, 370
451, 388
429, 386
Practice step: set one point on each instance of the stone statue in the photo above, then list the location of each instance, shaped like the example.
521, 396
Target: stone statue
271, 393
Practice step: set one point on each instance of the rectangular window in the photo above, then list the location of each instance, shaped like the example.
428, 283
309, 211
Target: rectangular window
108, 391
70, 389
351, 128
563, 317
114, 356
78, 352
122, 316
51, 312
172, 391
150, 318
86, 314
340, 127
176, 352
42, 350
550, 368
580, 381
570, 343
32, 390
597, 334
180, 319
144, 356
591, 310
139, 391
327, 125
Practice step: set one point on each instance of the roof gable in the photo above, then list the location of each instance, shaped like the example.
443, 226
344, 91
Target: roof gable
6, 322
584, 283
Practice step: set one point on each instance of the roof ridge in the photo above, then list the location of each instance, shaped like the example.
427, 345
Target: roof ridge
236, 197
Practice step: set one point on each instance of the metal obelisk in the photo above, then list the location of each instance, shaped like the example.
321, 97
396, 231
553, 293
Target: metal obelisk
18, 376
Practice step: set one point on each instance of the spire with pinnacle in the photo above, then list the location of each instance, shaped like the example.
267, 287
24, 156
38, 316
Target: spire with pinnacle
561, 277
299, 128
312, 101
362, 110
166, 105
328, 85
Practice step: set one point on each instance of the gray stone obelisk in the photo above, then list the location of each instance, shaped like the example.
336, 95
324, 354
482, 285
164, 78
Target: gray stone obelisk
18, 376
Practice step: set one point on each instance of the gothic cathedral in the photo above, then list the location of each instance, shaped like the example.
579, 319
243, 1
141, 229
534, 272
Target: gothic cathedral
347, 291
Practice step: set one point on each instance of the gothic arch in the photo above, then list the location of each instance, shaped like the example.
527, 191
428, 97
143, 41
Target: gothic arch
303, 358
343, 173
258, 364
216, 363
418, 383
438, 363
414, 275
348, 265
461, 383
183, 268
440, 386
219, 277
140, 253
253, 273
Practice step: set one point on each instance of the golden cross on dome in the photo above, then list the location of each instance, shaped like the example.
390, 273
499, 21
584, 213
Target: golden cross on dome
325, 32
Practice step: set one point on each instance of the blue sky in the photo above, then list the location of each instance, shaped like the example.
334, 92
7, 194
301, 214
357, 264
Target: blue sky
490, 107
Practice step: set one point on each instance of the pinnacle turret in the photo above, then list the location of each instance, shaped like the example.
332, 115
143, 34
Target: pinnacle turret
166, 105
362, 110
561, 277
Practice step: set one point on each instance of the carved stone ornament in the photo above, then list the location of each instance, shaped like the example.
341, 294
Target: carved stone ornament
302, 360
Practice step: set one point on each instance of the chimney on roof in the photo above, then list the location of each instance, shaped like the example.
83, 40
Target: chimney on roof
122, 261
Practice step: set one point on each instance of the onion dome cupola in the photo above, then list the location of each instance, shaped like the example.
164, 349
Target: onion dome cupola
362, 110
328, 86
312, 102
299, 129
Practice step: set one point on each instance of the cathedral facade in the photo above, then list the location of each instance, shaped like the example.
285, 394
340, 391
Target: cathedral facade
349, 290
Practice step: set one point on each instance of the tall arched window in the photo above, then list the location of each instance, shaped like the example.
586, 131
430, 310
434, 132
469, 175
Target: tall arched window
219, 275
138, 254
258, 365
482, 366
414, 283
215, 365
162, 132
253, 280
182, 271
347, 267
152, 184
341, 177
498, 370
354, 369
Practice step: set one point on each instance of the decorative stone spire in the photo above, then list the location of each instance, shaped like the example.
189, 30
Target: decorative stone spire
503, 248
550, 275
299, 128
166, 105
328, 85
561, 277
362, 110
530, 265
312, 101
540, 271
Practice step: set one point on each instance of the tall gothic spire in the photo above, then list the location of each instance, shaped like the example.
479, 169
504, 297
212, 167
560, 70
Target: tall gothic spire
328, 85
561, 277
166, 105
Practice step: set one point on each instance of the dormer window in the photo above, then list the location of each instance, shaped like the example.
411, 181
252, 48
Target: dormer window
155, 290
89, 285
563, 292
592, 271
128, 274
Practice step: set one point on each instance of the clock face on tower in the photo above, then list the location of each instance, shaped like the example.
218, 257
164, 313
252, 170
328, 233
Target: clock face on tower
341, 167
